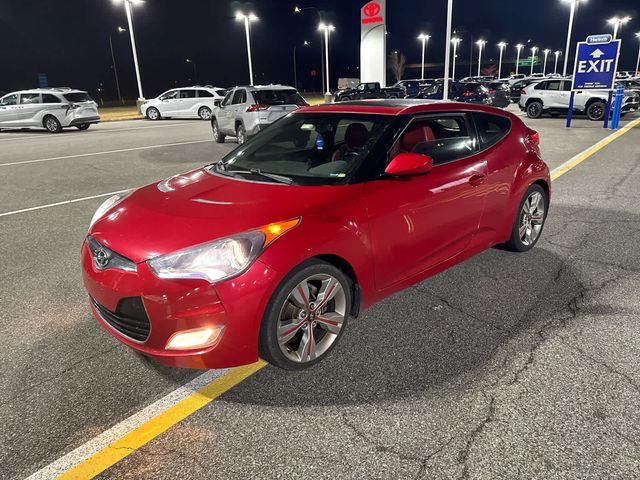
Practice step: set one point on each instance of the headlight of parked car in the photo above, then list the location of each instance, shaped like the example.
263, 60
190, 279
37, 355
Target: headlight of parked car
107, 205
221, 259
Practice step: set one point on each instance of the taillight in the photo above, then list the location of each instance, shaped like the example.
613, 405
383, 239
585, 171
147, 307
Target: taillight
532, 141
535, 137
491, 92
258, 107
467, 94
522, 92
303, 104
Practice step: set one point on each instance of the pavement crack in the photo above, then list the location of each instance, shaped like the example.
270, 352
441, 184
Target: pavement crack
463, 455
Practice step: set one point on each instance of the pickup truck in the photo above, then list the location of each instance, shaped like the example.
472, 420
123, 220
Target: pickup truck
369, 90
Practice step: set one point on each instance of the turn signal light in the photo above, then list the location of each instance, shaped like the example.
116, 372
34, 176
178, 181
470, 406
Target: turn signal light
274, 230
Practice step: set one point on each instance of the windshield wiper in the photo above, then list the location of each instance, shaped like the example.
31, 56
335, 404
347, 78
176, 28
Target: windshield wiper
256, 171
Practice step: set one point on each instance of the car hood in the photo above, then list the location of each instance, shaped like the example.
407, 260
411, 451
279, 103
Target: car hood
198, 206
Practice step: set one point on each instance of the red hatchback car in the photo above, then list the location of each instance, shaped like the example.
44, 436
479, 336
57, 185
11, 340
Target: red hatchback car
331, 209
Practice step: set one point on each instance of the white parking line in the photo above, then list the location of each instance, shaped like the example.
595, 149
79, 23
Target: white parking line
66, 202
108, 152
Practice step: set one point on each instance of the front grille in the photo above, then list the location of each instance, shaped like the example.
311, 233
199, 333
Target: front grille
130, 318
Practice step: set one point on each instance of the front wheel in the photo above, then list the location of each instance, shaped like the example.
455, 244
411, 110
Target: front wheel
218, 136
153, 113
306, 316
529, 222
204, 113
595, 111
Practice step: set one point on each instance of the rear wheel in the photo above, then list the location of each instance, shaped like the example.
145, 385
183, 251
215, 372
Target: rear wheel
84, 126
153, 113
529, 222
52, 124
306, 316
218, 136
534, 109
241, 134
204, 113
595, 111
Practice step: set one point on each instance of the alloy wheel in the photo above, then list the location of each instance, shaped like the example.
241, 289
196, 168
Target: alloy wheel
311, 318
532, 218
205, 113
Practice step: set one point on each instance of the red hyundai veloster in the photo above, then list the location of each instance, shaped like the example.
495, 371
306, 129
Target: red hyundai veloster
331, 209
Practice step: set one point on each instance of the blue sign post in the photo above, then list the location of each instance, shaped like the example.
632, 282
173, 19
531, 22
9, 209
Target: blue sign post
595, 69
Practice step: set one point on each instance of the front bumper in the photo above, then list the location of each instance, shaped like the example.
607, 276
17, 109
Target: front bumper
173, 306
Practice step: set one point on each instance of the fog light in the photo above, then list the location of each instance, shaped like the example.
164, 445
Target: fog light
198, 338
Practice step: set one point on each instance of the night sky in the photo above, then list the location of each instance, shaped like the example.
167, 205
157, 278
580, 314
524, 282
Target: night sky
69, 39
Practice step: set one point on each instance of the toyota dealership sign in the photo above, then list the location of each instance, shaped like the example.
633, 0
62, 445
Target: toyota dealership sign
373, 42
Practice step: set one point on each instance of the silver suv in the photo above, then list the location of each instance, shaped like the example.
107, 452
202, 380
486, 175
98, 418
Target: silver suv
553, 96
188, 102
247, 110
49, 108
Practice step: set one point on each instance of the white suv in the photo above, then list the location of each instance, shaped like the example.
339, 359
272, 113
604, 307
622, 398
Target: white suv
187, 102
553, 96
49, 108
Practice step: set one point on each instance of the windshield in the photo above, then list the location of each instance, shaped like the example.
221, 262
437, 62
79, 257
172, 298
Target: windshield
308, 148
78, 97
277, 97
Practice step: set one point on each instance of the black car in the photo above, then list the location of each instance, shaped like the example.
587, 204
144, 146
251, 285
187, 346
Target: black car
458, 92
516, 88
499, 92
411, 87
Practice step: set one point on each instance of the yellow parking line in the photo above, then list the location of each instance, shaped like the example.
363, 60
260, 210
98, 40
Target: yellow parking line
581, 157
135, 439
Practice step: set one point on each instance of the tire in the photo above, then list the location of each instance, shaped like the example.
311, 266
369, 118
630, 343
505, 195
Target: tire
52, 124
204, 113
218, 136
534, 109
595, 111
292, 336
153, 113
241, 134
345, 99
84, 126
529, 223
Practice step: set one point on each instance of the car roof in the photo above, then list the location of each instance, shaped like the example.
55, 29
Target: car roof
396, 107
47, 90
266, 87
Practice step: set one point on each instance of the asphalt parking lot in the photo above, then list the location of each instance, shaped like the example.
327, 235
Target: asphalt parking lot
506, 366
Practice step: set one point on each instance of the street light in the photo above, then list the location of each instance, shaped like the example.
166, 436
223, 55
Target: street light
455, 41
501, 45
557, 53
567, 50
195, 71
546, 55
295, 63
113, 60
247, 19
481, 44
533, 57
298, 11
638, 62
447, 50
617, 24
128, 8
425, 38
519, 47
327, 28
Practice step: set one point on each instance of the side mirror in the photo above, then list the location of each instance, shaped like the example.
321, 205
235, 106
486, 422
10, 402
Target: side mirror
409, 164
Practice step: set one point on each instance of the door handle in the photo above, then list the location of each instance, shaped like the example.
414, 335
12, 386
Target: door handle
477, 179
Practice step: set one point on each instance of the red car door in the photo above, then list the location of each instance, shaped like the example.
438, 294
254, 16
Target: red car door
418, 222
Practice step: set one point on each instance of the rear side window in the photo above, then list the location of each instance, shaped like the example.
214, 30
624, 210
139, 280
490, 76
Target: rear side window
277, 97
29, 98
204, 94
78, 97
48, 98
221, 93
491, 128
541, 86
187, 94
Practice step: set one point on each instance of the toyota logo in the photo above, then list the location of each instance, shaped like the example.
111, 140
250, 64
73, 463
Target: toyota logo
371, 9
101, 259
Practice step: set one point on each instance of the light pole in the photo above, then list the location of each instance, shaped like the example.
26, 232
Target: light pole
295, 64
546, 55
128, 8
501, 45
425, 38
113, 60
455, 41
195, 71
247, 19
557, 53
617, 24
298, 11
519, 47
638, 62
567, 50
533, 57
481, 44
447, 50
327, 28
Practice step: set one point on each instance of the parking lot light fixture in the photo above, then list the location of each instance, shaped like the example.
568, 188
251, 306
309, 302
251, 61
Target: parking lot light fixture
447, 50
195, 71
295, 62
455, 41
327, 28
480, 44
128, 7
113, 62
638, 62
519, 48
546, 56
567, 50
502, 45
557, 53
533, 57
617, 23
247, 19
424, 38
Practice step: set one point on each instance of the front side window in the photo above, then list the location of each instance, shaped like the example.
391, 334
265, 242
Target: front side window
309, 148
541, 86
170, 95
227, 98
29, 98
240, 96
444, 139
491, 128
9, 100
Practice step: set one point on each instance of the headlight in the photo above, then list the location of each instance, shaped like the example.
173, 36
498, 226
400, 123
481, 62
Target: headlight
221, 259
107, 205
